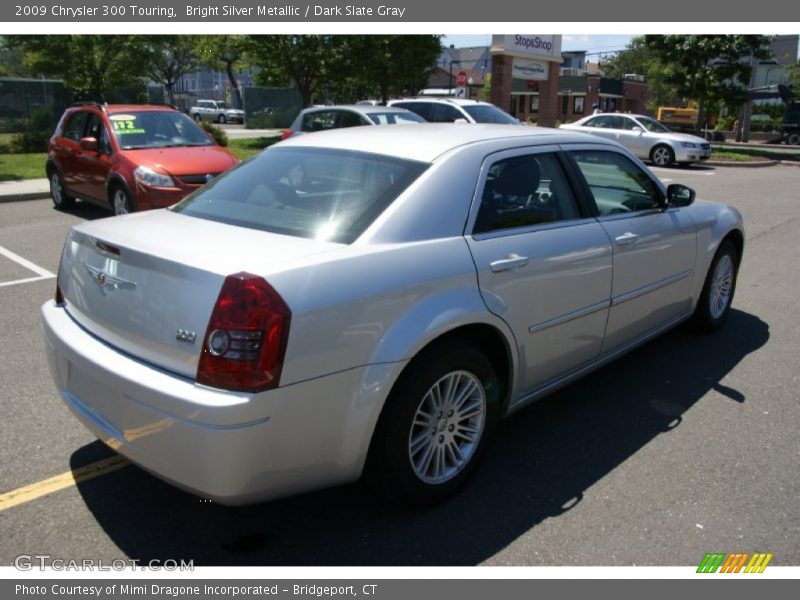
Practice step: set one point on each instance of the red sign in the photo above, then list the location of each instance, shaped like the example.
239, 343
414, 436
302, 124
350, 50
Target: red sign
461, 79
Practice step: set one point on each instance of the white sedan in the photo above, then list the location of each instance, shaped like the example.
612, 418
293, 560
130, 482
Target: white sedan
275, 333
645, 137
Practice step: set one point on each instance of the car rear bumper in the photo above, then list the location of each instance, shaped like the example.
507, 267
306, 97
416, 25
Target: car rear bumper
232, 448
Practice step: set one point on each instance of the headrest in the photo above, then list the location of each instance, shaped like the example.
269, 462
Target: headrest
520, 177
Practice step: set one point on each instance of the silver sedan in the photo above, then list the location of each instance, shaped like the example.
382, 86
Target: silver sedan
370, 301
645, 137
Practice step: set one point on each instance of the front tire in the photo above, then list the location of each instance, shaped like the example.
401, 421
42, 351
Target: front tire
435, 426
662, 155
222, 120
197, 117
793, 139
121, 202
61, 200
715, 300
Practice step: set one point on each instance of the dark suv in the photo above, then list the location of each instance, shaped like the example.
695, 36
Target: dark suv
130, 157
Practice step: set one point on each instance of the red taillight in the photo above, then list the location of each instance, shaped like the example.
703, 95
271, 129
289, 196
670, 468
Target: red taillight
246, 338
287, 134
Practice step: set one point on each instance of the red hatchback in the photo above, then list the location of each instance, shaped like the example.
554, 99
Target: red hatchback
130, 157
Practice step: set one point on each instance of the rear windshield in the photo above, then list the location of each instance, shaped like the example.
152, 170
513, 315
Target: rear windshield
486, 113
156, 129
318, 193
391, 118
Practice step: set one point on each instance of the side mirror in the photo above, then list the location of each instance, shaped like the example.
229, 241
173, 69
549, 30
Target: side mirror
679, 195
89, 144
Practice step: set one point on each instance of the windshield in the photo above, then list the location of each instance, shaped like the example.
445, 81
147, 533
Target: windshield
156, 129
653, 125
392, 118
318, 193
487, 113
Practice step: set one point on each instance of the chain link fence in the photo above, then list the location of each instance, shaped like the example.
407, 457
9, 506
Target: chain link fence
270, 108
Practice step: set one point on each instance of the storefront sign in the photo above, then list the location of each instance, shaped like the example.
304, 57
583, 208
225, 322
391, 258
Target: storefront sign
547, 47
535, 70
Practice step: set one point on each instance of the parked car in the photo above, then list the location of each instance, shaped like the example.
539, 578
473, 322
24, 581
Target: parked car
645, 137
276, 333
216, 111
321, 118
455, 110
130, 157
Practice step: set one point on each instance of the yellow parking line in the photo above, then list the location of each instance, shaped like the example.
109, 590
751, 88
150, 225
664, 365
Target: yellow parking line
59, 482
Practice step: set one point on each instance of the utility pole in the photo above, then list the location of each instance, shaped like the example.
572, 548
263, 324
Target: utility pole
747, 109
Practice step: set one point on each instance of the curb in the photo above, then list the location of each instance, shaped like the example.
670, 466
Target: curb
789, 163
21, 197
747, 164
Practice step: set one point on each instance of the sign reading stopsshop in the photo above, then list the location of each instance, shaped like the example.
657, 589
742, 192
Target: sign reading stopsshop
543, 47
390, 11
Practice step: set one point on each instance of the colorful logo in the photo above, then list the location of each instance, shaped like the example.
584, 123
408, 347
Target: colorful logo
734, 563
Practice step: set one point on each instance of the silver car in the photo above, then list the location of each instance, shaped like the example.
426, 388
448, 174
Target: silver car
645, 137
322, 118
372, 302
216, 111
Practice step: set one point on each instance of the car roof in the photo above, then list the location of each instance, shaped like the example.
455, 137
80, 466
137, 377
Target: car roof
117, 108
427, 141
362, 108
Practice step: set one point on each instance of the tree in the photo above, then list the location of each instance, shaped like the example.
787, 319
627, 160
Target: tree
224, 53
90, 65
169, 58
392, 64
306, 61
639, 58
709, 68
12, 60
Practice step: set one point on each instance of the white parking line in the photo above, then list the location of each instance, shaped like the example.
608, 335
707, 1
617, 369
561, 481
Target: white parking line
42, 273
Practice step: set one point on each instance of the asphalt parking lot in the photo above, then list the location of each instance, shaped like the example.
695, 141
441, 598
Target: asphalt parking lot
689, 445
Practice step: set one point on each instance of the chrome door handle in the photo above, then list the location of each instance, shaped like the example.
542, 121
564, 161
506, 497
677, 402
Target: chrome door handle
627, 239
512, 261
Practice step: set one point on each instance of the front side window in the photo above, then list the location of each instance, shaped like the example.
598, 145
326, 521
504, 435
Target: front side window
76, 125
324, 194
617, 184
523, 191
350, 119
156, 129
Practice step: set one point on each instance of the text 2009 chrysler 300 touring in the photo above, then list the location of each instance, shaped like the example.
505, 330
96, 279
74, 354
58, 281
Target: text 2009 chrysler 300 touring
372, 302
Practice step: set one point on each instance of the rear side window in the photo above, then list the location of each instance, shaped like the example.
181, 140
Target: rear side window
317, 193
523, 191
423, 109
444, 113
76, 125
487, 113
617, 184
318, 121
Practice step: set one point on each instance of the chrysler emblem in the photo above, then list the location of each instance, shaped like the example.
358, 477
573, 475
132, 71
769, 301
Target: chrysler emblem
108, 283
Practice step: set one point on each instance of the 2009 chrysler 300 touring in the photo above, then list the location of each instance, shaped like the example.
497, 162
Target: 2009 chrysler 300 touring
372, 302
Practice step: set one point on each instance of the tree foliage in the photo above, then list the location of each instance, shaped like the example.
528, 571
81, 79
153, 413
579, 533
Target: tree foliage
91, 65
226, 53
305, 61
638, 57
387, 65
169, 58
709, 69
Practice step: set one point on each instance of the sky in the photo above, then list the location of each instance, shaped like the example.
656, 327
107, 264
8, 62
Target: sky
590, 43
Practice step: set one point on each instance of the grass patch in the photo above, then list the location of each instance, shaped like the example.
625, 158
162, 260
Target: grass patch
14, 167
745, 154
247, 147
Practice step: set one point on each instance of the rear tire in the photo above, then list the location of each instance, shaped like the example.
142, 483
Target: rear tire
720, 285
61, 199
222, 120
197, 117
435, 425
793, 139
662, 155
